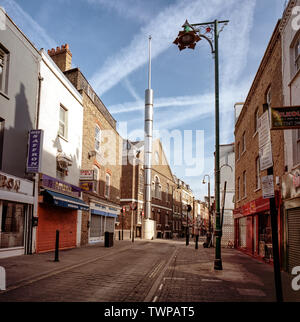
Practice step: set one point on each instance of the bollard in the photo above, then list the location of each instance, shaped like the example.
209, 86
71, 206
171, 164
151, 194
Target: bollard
56, 246
196, 244
119, 234
187, 237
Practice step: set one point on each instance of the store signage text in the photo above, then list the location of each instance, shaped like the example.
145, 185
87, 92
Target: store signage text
286, 118
35, 142
10, 183
60, 186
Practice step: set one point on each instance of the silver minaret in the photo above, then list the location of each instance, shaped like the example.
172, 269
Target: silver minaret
148, 139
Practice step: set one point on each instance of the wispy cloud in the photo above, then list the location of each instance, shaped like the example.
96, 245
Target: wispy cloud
135, 55
131, 9
34, 31
128, 85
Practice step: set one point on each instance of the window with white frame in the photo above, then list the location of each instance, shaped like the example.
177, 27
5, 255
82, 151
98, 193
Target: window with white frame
107, 185
97, 178
4, 62
97, 138
63, 121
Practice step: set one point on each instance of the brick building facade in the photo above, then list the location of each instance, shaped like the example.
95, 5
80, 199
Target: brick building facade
252, 212
101, 150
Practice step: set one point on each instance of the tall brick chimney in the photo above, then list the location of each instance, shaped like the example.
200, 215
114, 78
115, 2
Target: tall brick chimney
62, 57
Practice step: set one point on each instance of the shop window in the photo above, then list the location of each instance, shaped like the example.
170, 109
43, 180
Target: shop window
63, 120
4, 63
265, 236
107, 185
242, 232
97, 138
12, 217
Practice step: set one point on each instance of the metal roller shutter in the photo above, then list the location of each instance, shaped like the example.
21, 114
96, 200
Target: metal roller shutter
293, 218
95, 226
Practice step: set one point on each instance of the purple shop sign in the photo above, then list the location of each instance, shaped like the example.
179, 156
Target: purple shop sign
34, 156
59, 186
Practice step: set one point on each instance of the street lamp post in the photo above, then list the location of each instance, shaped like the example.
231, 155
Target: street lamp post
208, 237
188, 39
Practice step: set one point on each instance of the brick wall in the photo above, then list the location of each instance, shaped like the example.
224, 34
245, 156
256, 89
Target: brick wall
268, 76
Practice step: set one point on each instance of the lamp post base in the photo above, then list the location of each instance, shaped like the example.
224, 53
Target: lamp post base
218, 265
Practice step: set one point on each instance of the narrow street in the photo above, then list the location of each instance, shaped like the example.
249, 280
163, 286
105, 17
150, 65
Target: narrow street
155, 271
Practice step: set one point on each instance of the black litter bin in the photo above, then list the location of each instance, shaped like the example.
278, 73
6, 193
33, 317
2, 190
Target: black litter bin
108, 239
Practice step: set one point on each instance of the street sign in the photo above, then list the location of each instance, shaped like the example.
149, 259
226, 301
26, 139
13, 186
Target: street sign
264, 142
285, 118
267, 184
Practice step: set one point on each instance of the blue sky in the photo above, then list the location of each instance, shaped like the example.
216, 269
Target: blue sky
109, 42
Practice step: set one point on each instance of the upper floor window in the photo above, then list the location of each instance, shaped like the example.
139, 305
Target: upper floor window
244, 142
256, 120
4, 61
238, 193
244, 184
141, 182
238, 153
97, 177
157, 188
97, 138
257, 173
63, 121
107, 185
167, 192
297, 55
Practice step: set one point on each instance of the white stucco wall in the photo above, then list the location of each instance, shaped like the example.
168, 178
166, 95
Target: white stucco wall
291, 85
57, 90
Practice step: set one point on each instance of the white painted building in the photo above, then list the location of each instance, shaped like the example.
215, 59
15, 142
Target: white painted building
61, 118
227, 163
290, 33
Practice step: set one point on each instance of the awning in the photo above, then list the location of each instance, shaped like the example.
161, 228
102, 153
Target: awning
103, 213
66, 201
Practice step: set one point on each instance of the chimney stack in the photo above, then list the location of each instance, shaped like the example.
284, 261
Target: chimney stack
62, 57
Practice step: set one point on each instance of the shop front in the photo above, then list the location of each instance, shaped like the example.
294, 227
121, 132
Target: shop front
59, 208
102, 219
16, 211
253, 233
291, 203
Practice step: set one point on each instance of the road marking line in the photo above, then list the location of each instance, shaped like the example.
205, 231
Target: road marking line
156, 269
155, 299
174, 278
210, 280
161, 286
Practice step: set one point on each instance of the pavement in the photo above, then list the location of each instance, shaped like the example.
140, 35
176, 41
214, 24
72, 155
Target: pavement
143, 271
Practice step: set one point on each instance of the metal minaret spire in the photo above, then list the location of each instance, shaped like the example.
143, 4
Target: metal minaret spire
148, 139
